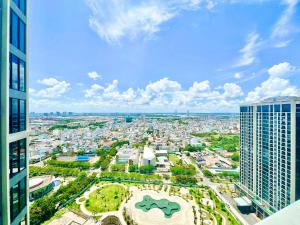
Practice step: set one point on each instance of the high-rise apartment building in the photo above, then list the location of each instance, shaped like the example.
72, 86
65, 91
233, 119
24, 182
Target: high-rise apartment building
14, 111
270, 153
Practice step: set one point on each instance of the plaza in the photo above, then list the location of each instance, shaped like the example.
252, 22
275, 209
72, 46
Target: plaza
155, 215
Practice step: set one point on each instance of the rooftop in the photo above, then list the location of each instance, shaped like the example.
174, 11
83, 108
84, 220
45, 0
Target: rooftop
278, 99
289, 215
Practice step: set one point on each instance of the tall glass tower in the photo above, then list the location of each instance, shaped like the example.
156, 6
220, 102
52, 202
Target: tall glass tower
270, 153
14, 111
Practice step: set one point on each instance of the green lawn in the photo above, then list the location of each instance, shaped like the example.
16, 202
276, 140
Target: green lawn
105, 199
174, 159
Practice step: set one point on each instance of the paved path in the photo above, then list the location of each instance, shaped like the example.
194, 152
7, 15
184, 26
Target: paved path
214, 187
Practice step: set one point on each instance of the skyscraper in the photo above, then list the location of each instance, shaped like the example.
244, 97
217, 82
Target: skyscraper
14, 111
270, 153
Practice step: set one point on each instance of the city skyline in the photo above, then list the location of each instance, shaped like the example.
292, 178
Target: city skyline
161, 56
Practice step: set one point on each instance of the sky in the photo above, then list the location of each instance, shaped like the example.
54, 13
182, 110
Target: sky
161, 55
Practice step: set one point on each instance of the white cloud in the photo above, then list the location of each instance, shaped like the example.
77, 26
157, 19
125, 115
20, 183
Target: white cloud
117, 19
282, 70
276, 84
273, 87
112, 87
200, 86
94, 75
95, 88
238, 75
167, 95
248, 52
163, 85
49, 81
163, 94
283, 27
32, 90
281, 36
55, 88
232, 90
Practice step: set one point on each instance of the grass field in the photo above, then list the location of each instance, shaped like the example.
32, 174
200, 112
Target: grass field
105, 199
174, 159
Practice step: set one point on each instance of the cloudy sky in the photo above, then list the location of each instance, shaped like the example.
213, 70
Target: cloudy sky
161, 55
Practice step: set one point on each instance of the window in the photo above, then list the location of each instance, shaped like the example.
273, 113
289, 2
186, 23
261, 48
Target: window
14, 115
14, 72
277, 108
14, 202
22, 154
17, 2
13, 158
14, 29
17, 157
17, 198
22, 187
21, 4
22, 86
17, 73
286, 108
258, 109
17, 115
22, 36
17, 32
22, 115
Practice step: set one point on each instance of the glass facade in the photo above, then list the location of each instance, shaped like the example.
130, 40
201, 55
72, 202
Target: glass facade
18, 199
268, 137
17, 115
17, 78
246, 143
17, 157
21, 4
17, 32
274, 155
1, 171
298, 151
17, 104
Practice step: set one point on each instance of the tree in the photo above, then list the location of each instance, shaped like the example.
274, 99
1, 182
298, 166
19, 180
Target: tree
235, 157
80, 152
58, 149
183, 179
105, 164
234, 166
207, 173
191, 148
183, 170
133, 168
53, 156
147, 169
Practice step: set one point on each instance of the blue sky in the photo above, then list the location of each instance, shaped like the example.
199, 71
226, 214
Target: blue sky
161, 55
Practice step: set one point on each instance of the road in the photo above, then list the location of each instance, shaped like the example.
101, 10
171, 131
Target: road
214, 187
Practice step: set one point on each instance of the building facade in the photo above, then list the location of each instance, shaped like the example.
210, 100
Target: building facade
14, 110
270, 154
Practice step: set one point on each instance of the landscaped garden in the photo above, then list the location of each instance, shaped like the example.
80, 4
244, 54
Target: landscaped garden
174, 159
229, 142
168, 208
106, 198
